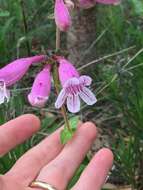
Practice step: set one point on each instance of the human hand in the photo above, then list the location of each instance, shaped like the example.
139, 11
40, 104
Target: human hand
50, 161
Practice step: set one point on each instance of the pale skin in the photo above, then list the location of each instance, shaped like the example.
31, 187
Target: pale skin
50, 161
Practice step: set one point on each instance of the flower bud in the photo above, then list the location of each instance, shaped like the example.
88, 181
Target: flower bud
41, 88
62, 15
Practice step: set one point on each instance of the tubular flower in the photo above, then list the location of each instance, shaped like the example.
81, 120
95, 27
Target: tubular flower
66, 70
74, 87
62, 15
13, 72
41, 88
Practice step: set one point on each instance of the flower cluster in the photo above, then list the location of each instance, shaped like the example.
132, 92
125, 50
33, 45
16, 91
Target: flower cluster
63, 7
73, 85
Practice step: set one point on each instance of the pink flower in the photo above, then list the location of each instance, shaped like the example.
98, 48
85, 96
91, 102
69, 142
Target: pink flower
90, 3
13, 72
85, 4
74, 86
114, 2
62, 16
66, 70
41, 88
74, 89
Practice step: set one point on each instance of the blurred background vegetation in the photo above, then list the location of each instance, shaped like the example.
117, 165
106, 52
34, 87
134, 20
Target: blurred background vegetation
27, 28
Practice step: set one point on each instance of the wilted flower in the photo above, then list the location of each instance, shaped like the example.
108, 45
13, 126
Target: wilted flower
41, 88
90, 3
62, 15
13, 72
74, 87
85, 4
114, 2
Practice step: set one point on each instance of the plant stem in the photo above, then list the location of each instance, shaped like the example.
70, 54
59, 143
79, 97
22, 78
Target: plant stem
57, 81
57, 86
25, 27
58, 39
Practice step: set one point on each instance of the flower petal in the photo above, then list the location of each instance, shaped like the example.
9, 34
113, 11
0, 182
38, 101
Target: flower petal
87, 96
61, 99
37, 101
86, 80
73, 103
4, 93
71, 82
2, 98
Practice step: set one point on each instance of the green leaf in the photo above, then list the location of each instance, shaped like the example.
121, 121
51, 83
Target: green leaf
73, 123
66, 135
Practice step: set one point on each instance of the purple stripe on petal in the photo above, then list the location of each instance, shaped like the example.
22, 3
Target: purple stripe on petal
87, 96
71, 82
73, 103
61, 99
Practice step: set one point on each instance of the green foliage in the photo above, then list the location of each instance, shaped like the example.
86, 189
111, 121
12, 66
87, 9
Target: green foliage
67, 134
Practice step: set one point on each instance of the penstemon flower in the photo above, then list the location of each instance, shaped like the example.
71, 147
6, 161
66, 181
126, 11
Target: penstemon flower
13, 72
41, 88
74, 87
62, 15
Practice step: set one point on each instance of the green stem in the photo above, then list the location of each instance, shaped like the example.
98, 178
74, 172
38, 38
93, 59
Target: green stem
58, 39
58, 87
57, 81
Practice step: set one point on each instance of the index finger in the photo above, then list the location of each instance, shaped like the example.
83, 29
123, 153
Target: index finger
16, 131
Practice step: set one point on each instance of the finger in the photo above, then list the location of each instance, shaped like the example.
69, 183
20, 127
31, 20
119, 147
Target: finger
59, 171
29, 165
16, 131
95, 174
